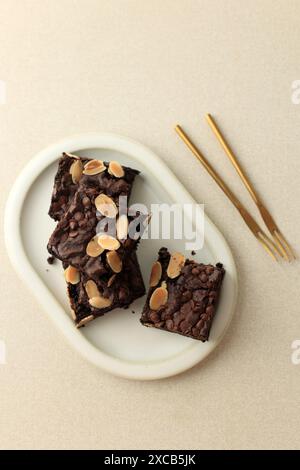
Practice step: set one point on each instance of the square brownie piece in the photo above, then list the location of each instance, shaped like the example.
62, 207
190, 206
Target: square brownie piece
183, 295
91, 299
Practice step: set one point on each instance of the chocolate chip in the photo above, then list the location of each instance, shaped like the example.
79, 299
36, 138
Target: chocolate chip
86, 201
82, 223
178, 317
186, 308
73, 224
154, 317
73, 234
199, 295
210, 310
200, 324
184, 326
78, 216
186, 296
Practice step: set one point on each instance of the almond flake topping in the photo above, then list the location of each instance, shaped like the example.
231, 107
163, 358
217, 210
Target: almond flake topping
107, 242
158, 298
176, 263
76, 171
155, 275
106, 206
91, 289
93, 167
100, 302
93, 249
72, 275
116, 169
114, 261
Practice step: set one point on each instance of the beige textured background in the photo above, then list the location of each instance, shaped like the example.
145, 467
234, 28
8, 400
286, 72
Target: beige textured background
138, 67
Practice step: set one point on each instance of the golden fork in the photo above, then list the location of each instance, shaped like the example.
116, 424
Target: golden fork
282, 243
266, 242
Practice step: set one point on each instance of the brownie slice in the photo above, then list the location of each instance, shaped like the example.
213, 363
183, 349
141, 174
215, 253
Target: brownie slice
118, 291
78, 226
183, 295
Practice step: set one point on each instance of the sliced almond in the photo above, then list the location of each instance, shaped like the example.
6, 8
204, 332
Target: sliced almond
85, 320
122, 227
107, 242
93, 249
176, 262
100, 302
111, 280
114, 261
93, 167
72, 275
115, 169
158, 298
155, 274
106, 206
164, 284
76, 171
91, 289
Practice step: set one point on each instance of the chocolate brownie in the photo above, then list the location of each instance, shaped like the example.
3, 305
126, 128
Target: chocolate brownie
183, 295
97, 195
90, 299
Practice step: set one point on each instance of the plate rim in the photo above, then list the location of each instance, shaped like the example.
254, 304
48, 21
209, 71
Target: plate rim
21, 263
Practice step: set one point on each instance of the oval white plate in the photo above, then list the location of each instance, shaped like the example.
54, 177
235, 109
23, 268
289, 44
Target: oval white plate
117, 342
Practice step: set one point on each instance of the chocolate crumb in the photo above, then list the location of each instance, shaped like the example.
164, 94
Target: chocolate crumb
50, 260
132, 311
193, 252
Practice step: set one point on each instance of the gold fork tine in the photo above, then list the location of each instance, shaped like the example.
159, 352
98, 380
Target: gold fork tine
266, 247
280, 238
266, 242
283, 246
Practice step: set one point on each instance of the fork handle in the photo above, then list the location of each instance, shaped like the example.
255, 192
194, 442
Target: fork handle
213, 173
230, 154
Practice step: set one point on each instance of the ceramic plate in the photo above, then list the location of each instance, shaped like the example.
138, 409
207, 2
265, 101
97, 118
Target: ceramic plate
117, 342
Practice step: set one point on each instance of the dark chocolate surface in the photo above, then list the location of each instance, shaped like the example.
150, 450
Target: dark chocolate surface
192, 299
126, 287
63, 188
78, 225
